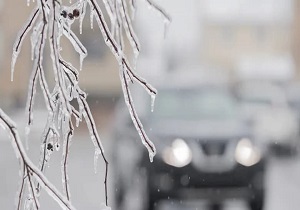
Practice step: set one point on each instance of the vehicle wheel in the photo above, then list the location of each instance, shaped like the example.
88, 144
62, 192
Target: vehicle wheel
119, 195
215, 206
149, 201
257, 203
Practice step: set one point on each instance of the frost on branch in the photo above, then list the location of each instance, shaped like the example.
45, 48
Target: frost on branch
48, 22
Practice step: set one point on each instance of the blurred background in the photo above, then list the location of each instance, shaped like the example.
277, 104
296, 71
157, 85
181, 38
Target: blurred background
226, 122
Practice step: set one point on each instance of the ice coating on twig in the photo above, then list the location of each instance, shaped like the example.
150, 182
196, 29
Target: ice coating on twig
30, 170
133, 8
27, 132
92, 18
50, 21
128, 28
159, 9
68, 131
20, 38
96, 156
134, 116
153, 96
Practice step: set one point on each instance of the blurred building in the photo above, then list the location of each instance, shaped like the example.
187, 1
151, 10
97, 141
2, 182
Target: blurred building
12, 16
228, 35
296, 35
236, 33
99, 77
223, 34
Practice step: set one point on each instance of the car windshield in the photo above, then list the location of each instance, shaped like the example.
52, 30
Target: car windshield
195, 105
257, 101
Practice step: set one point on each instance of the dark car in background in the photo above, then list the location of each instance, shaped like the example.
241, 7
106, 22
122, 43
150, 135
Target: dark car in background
205, 150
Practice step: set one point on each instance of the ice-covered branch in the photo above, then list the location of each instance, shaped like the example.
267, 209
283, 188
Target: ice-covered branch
30, 171
159, 10
70, 72
134, 116
128, 27
20, 38
49, 21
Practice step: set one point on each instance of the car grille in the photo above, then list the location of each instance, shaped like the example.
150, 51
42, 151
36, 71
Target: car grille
213, 147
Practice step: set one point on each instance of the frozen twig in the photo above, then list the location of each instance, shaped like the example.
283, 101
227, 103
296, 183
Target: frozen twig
159, 9
134, 116
128, 27
30, 171
49, 21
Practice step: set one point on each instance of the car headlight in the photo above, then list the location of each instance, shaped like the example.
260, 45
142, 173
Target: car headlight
246, 153
178, 154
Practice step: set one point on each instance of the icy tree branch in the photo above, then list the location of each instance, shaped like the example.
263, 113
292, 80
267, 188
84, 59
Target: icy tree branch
30, 171
49, 21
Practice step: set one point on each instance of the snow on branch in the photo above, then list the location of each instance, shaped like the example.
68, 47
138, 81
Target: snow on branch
48, 22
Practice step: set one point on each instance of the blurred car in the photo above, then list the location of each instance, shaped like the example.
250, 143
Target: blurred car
205, 150
274, 121
293, 98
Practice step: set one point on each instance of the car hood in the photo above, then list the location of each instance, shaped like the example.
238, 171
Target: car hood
208, 129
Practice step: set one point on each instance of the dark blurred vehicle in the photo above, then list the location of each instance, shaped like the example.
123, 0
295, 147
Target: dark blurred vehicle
205, 150
293, 98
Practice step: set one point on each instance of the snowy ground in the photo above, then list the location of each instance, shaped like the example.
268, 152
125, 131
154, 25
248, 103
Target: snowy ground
87, 189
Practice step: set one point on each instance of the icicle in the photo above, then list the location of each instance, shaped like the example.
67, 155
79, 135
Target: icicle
81, 57
80, 24
92, 18
77, 122
33, 43
2, 126
69, 27
82, 15
152, 102
133, 10
151, 156
27, 132
96, 156
59, 117
166, 27
104, 207
13, 63
70, 1
93, 138
21, 36
28, 3
159, 10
